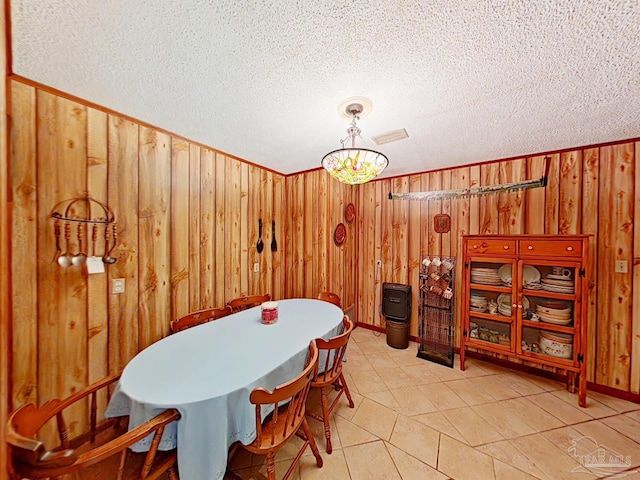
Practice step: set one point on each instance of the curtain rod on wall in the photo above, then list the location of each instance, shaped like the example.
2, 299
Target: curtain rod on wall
475, 191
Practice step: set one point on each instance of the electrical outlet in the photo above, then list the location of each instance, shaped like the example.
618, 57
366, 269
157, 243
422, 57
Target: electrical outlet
379, 263
117, 285
622, 266
256, 267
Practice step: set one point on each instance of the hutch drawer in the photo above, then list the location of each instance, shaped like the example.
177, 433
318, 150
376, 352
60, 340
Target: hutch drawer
556, 248
491, 247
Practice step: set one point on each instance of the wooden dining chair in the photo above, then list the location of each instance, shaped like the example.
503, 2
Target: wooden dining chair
287, 419
330, 376
101, 450
197, 318
242, 303
331, 298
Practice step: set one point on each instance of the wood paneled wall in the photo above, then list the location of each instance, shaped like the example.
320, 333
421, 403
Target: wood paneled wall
5, 254
590, 190
315, 205
187, 220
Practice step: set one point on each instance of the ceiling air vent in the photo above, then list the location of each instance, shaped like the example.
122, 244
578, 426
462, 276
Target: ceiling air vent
389, 137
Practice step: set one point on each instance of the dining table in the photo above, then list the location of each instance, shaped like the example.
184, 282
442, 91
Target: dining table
207, 373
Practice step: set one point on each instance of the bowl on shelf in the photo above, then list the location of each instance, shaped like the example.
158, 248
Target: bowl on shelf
559, 312
553, 304
556, 344
554, 320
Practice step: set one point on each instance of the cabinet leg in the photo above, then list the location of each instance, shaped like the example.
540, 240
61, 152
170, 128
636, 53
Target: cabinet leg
462, 358
571, 382
582, 390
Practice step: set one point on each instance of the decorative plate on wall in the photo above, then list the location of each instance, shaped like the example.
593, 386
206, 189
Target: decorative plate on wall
340, 234
442, 223
350, 213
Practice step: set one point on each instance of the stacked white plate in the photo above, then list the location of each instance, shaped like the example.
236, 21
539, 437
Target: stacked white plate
558, 284
485, 276
556, 316
477, 303
504, 304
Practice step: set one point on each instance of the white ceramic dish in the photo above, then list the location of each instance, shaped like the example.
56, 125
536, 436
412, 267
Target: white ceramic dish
478, 309
564, 316
560, 283
554, 321
556, 289
556, 344
553, 311
530, 274
559, 277
504, 299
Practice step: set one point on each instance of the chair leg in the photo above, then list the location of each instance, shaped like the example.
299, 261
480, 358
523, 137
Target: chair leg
271, 466
346, 390
173, 475
312, 442
325, 419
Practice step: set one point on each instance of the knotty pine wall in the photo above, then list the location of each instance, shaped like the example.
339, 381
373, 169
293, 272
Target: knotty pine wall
188, 215
315, 205
5, 254
187, 218
590, 190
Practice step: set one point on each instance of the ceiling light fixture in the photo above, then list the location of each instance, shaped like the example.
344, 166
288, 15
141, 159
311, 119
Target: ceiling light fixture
353, 165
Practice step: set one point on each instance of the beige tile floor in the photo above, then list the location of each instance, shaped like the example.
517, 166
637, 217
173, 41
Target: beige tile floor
417, 420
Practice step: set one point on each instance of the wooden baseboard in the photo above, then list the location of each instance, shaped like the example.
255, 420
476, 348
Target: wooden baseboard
613, 392
594, 387
376, 328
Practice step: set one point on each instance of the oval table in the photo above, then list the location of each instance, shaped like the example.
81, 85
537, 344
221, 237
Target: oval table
207, 373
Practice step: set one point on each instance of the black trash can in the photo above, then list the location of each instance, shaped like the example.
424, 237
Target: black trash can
396, 308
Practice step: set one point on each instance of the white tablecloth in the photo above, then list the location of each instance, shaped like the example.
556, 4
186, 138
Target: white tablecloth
207, 373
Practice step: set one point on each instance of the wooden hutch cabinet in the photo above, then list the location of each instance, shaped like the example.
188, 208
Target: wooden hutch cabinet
525, 297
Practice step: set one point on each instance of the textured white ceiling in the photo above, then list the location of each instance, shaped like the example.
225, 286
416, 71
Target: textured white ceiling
469, 80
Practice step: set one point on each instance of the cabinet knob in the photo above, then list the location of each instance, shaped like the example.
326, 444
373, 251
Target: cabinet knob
475, 247
506, 247
530, 247
514, 305
570, 249
519, 306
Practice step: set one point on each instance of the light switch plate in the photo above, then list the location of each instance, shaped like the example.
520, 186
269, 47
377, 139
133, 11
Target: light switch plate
256, 267
117, 285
